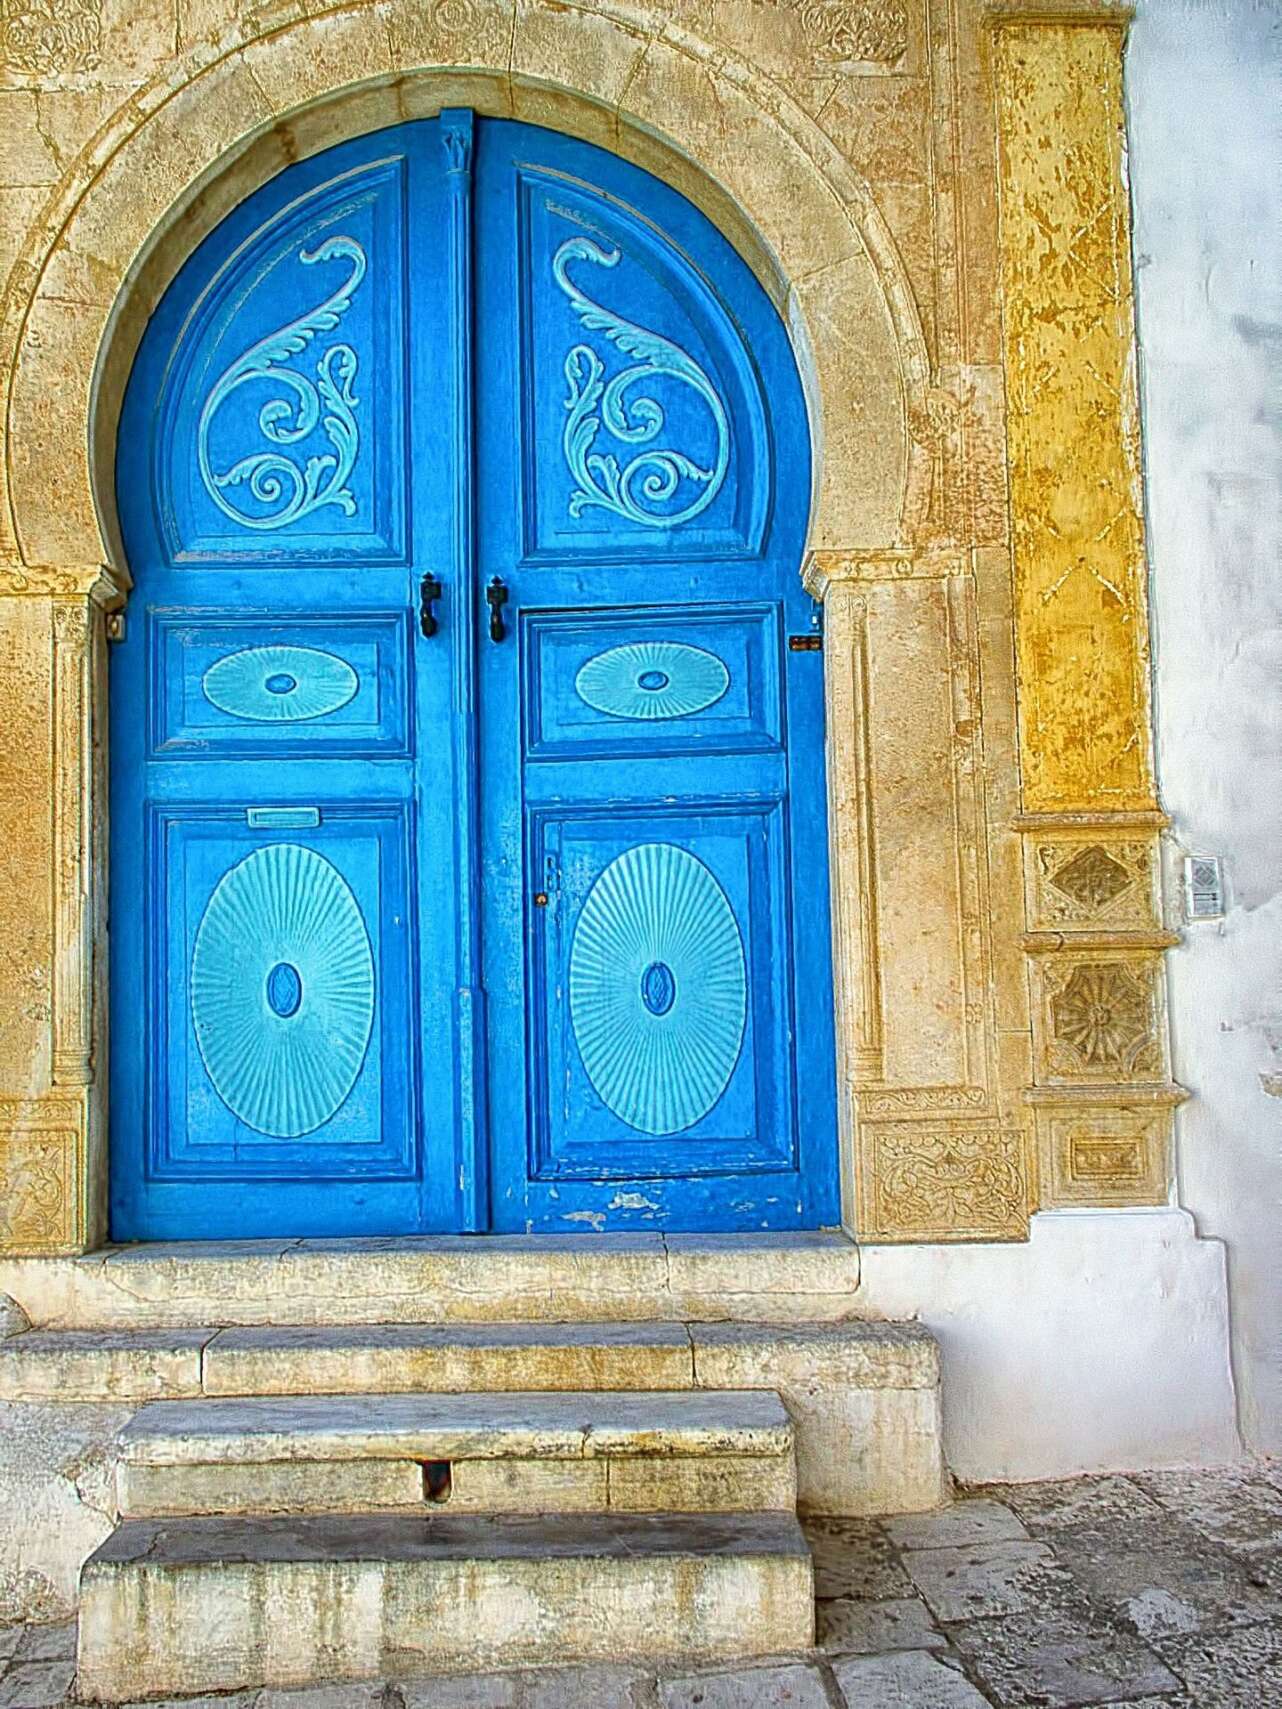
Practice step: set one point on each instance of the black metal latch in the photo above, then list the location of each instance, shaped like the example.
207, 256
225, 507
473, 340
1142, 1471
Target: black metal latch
429, 590
496, 597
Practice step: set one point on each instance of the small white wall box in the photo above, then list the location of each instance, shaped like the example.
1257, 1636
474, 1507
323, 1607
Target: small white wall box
1203, 887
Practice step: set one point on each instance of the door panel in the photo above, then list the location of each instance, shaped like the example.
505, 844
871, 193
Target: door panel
282, 835
615, 320
645, 814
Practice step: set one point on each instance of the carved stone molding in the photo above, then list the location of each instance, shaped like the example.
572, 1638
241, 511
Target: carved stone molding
943, 1181
923, 1103
41, 1175
72, 622
855, 955
46, 38
825, 569
1102, 1155
844, 31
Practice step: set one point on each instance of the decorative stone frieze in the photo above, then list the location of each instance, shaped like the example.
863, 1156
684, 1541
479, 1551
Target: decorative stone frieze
942, 1181
50, 38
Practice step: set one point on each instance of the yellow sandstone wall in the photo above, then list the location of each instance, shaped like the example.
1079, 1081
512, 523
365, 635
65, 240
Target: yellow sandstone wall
934, 193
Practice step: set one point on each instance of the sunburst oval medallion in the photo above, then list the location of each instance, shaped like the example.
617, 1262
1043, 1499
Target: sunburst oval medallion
652, 679
279, 685
658, 988
282, 990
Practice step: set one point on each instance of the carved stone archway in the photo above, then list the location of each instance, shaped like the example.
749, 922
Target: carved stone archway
162, 173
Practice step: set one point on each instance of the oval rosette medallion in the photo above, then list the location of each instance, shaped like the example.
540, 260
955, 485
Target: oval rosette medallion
282, 990
652, 679
658, 988
279, 685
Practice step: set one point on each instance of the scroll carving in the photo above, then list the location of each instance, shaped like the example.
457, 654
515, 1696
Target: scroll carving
653, 475
943, 1182
844, 30
289, 488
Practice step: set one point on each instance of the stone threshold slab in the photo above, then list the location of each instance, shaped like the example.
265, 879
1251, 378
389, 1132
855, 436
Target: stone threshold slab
802, 1277
530, 1426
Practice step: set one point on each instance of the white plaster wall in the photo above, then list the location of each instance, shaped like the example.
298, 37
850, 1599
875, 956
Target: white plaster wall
1204, 82
1102, 1345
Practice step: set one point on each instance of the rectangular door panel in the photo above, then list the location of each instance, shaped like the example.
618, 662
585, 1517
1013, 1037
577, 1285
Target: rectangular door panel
662, 1032
271, 684
615, 682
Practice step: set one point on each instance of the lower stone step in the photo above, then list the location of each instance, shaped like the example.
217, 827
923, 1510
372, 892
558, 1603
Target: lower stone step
692, 1452
215, 1604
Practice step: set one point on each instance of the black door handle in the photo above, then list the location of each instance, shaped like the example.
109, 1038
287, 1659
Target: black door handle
429, 589
496, 596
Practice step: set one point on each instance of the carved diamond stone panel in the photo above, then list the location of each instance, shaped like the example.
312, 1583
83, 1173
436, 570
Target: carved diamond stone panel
1083, 882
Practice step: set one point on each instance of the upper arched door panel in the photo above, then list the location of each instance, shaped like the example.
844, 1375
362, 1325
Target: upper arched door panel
285, 386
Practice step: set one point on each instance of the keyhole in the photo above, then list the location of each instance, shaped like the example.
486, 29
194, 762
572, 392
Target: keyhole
284, 990
658, 988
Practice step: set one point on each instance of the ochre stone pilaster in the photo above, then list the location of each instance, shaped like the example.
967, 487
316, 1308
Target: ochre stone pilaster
51, 1179
1102, 1094
934, 1147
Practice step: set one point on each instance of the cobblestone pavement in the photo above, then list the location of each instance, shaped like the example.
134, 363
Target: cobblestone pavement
1156, 1589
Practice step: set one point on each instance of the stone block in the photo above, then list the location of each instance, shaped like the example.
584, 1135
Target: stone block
794, 1686
853, 1558
101, 1365
37, 1685
864, 1398
911, 1680
986, 1579
442, 1279
398, 1358
679, 1452
964, 1523
848, 1626
577, 1688
469, 1691
56, 1507
1059, 1658
1163, 1579
219, 1604
781, 1278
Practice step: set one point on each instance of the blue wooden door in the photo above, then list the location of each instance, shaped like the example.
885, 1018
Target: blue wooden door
432, 910
653, 747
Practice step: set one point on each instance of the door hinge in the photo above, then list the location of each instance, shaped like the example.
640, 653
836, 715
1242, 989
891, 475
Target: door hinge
115, 625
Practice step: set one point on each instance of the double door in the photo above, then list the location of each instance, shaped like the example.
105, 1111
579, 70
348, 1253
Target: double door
468, 833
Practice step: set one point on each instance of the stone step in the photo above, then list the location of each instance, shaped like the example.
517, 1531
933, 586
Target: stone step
692, 1452
212, 1604
579, 1278
864, 1397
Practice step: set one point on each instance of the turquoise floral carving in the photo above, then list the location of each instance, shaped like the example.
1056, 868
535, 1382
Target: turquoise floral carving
291, 486
653, 477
